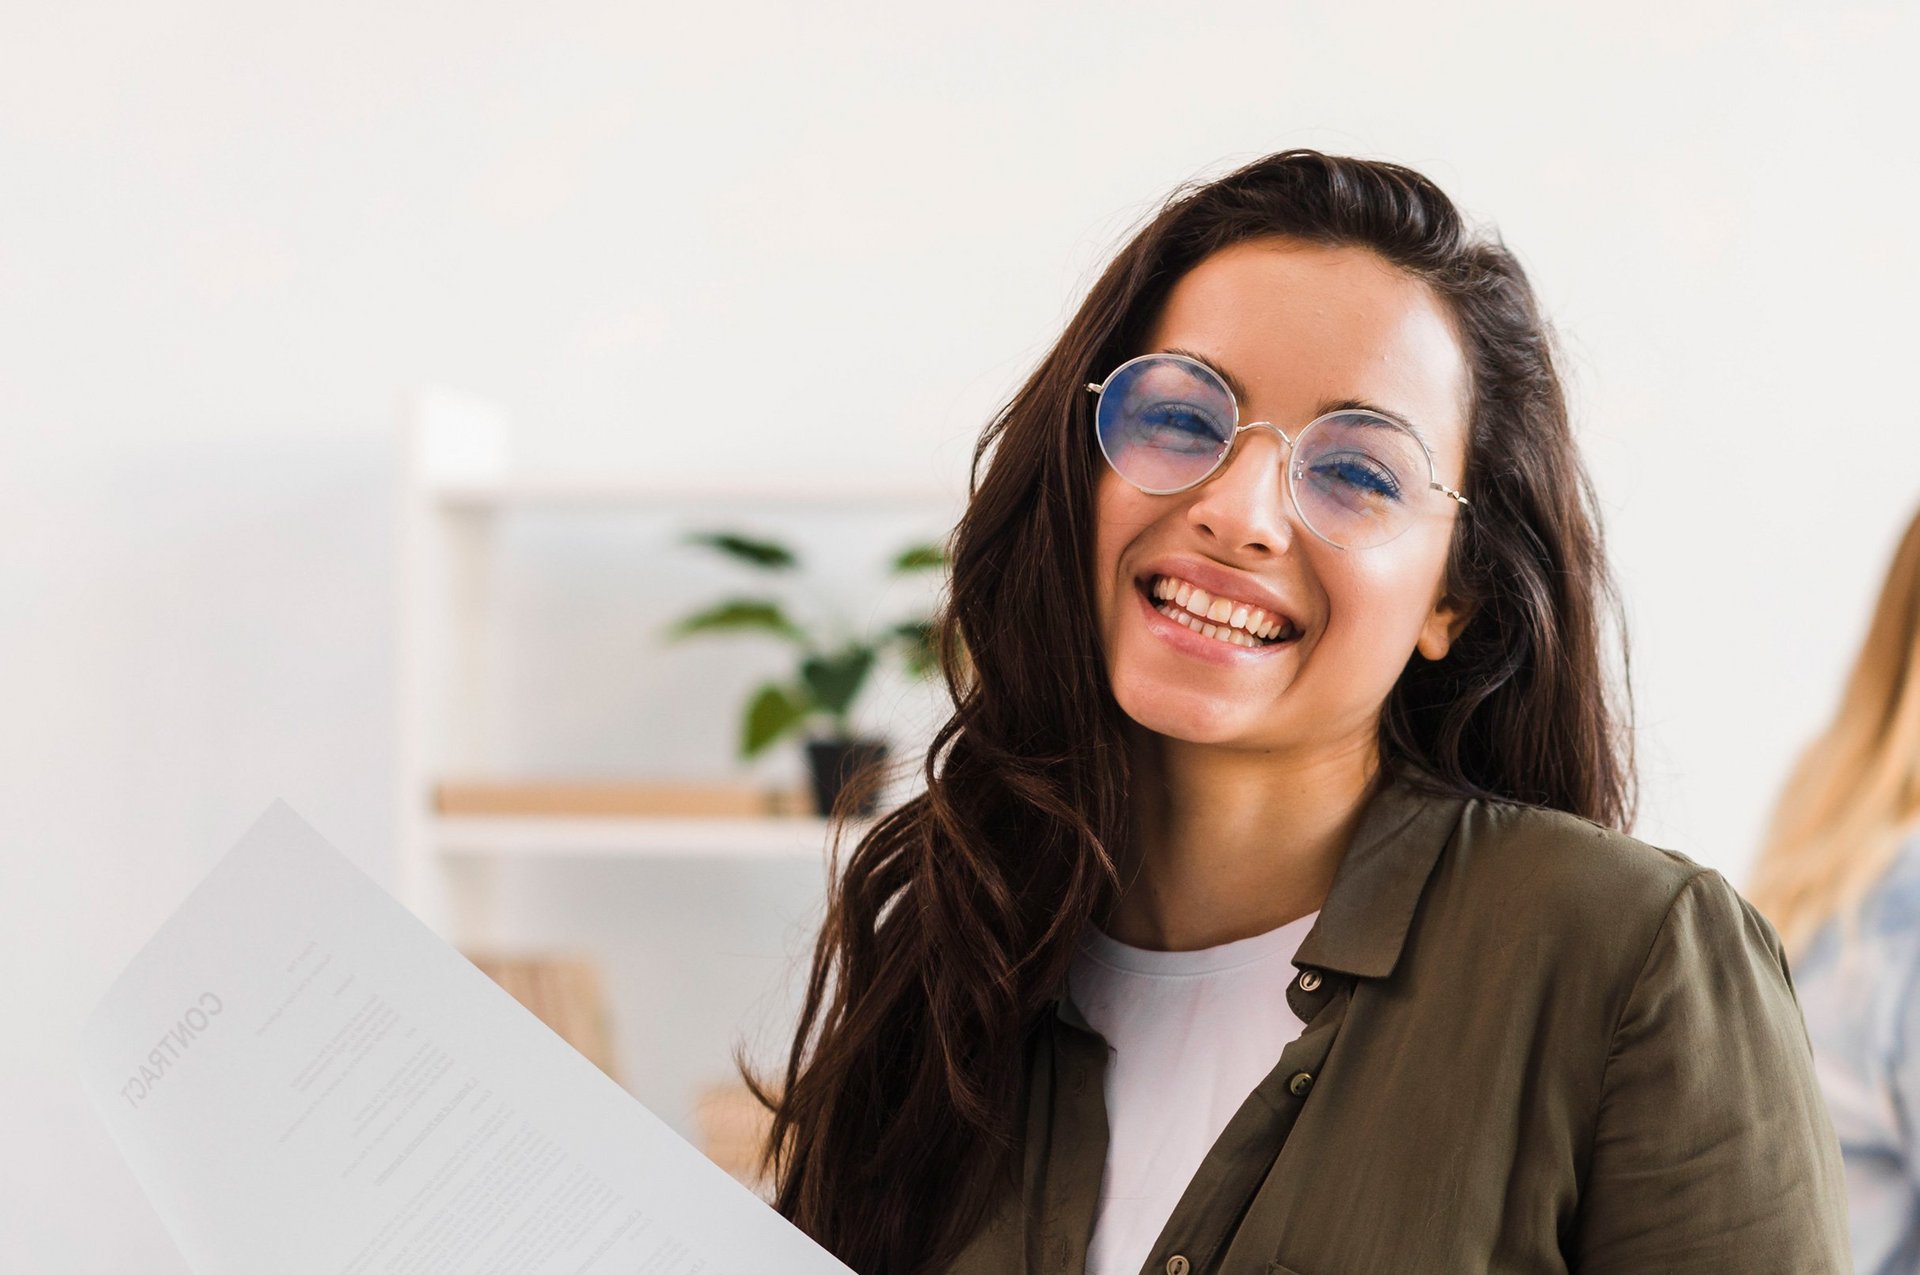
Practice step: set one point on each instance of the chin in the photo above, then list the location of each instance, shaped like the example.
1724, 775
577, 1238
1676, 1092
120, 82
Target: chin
1191, 715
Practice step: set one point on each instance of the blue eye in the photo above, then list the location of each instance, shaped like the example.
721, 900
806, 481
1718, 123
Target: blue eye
1178, 415
1172, 422
1359, 474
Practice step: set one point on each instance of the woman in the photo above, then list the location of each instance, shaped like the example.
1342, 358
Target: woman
1840, 877
1510, 1037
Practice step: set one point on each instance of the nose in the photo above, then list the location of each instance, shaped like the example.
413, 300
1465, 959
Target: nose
1244, 503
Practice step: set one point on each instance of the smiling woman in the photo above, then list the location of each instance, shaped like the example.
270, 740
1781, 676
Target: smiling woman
1282, 916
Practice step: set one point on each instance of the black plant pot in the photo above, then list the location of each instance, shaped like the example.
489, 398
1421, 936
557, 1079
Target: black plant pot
836, 762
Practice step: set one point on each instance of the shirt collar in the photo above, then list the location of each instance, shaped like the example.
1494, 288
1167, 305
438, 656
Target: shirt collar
1363, 923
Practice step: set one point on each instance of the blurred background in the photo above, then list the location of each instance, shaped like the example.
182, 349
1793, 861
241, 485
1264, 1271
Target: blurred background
363, 369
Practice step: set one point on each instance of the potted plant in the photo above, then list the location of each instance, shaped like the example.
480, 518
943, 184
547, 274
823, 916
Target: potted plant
830, 672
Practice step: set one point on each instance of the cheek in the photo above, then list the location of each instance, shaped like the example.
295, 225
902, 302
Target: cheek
1119, 516
1376, 605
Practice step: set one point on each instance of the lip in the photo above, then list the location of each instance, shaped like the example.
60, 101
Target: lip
1199, 645
1219, 582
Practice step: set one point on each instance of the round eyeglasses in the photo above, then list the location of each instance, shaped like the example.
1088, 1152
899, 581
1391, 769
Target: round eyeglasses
1167, 422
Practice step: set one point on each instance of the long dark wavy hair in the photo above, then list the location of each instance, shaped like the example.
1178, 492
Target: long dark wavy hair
952, 924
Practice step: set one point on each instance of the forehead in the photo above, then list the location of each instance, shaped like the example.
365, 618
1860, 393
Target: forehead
1302, 326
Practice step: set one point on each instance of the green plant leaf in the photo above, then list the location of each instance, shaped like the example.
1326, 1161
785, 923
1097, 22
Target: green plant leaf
916, 646
770, 555
739, 615
922, 557
773, 712
834, 680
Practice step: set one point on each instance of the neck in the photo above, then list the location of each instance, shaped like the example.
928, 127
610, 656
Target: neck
1229, 843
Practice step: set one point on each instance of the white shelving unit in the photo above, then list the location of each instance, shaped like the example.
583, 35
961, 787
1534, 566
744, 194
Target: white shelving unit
458, 483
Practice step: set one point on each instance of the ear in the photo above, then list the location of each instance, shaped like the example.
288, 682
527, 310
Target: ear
1443, 625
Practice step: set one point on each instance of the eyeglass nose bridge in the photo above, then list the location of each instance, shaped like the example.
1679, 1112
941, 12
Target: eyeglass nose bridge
1241, 429
1234, 442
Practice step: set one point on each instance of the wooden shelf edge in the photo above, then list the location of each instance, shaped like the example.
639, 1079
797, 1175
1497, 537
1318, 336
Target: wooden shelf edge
533, 492
637, 837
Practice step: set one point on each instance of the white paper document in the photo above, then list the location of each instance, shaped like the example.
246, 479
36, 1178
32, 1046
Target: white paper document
307, 1081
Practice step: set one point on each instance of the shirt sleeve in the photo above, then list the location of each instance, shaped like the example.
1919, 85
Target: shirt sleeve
1712, 1149
1903, 1064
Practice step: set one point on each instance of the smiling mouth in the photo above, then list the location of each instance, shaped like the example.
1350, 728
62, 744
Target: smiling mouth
1219, 630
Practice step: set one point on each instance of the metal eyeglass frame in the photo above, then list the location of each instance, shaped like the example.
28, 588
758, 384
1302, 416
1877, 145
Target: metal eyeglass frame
1226, 454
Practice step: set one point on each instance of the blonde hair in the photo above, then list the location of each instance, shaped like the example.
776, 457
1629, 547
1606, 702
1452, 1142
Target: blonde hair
1854, 795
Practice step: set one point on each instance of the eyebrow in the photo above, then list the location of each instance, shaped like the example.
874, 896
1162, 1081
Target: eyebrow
1332, 405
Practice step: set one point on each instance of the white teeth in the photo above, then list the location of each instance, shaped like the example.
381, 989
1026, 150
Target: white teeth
1237, 616
1217, 632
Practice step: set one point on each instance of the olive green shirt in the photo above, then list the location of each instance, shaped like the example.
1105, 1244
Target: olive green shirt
1532, 1045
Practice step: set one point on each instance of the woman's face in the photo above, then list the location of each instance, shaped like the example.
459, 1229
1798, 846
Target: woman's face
1303, 329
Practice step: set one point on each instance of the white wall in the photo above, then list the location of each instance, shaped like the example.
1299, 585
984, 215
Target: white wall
229, 234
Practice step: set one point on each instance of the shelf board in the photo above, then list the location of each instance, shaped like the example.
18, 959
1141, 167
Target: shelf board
637, 837
588, 492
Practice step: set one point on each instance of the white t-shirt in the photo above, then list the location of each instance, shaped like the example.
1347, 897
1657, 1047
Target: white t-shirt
1190, 1035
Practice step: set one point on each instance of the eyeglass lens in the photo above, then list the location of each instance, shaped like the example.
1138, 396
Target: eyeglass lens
1165, 423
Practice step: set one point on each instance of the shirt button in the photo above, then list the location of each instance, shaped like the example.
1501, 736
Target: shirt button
1177, 1265
1301, 1082
1309, 980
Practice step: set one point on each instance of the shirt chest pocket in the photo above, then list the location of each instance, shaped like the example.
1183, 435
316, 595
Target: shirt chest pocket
1275, 1268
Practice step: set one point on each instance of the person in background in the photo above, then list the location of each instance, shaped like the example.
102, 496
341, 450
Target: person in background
1839, 877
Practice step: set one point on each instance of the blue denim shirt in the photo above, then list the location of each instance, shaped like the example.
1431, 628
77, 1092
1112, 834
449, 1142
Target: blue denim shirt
1862, 1006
